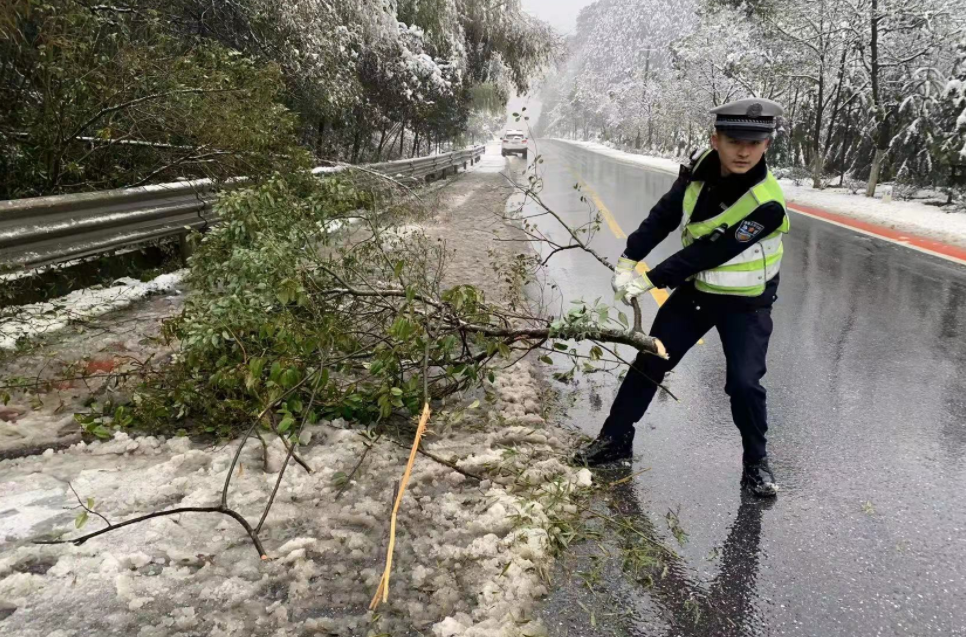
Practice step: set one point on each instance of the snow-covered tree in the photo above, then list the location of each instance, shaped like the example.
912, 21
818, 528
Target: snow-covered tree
863, 82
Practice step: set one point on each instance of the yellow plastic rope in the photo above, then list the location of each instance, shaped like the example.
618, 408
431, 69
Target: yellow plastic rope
382, 593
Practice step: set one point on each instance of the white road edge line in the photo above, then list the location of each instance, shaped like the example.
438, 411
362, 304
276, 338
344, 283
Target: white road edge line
904, 244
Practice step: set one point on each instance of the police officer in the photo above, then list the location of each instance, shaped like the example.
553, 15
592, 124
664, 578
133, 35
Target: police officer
731, 214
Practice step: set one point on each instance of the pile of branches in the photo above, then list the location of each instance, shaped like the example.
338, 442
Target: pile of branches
303, 271
318, 299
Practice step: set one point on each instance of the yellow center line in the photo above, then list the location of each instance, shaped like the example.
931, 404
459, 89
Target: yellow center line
659, 295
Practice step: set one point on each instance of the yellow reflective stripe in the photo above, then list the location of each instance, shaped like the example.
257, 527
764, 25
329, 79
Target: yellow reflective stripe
763, 192
730, 217
749, 266
761, 261
691, 199
754, 290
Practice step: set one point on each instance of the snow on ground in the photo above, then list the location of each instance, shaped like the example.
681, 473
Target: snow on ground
59, 373
470, 556
905, 216
492, 160
28, 321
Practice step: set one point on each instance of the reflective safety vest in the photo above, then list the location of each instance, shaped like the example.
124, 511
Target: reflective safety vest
747, 273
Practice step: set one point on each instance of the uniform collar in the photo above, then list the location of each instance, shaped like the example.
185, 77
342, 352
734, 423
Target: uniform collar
709, 170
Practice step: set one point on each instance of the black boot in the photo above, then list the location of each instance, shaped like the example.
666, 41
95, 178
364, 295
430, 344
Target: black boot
605, 449
757, 478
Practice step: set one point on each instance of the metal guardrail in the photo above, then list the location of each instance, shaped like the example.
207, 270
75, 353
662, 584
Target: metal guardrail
43, 231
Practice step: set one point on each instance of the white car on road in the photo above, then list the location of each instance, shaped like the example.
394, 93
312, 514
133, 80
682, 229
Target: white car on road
515, 143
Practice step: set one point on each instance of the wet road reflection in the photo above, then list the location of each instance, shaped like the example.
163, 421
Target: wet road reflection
726, 605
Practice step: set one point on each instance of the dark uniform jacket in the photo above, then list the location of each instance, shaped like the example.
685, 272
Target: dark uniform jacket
718, 194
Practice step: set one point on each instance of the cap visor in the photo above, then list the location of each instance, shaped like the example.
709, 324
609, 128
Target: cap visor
744, 134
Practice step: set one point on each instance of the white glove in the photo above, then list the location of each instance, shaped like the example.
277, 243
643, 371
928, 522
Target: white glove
628, 282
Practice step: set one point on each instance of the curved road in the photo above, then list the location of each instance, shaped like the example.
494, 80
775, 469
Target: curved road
867, 402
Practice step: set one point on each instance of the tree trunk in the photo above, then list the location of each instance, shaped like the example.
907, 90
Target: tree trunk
402, 139
319, 136
817, 161
846, 142
838, 99
817, 168
356, 145
882, 142
874, 172
415, 145
382, 142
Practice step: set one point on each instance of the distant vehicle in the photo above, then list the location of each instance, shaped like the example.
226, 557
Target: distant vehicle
515, 143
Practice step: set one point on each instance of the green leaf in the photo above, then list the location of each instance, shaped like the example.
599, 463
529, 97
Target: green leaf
474, 404
81, 519
286, 424
622, 318
546, 359
560, 346
290, 378
90, 503
396, 271
395, 391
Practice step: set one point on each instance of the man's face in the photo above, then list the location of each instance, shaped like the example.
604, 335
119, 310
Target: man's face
738, 155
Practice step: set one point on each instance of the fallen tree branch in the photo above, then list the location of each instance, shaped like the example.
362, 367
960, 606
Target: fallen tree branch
362, 458
157, 514
635, 339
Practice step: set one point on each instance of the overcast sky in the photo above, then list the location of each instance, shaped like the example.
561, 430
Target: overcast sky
561, 14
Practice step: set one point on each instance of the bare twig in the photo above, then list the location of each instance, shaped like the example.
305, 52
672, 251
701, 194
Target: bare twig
117, 107
348, 480
85, 507
443, 461
157, 514
291, 452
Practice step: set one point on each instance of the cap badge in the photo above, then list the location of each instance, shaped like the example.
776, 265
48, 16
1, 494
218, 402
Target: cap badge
754, 110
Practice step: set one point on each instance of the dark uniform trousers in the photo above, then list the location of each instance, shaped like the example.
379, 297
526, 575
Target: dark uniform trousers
680, 323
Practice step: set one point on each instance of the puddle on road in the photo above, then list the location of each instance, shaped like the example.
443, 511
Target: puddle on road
624, 576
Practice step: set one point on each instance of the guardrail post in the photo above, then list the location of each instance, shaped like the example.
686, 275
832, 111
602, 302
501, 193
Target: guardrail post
186, 246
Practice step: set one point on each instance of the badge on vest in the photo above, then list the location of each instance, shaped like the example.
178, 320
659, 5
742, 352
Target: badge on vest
748, 230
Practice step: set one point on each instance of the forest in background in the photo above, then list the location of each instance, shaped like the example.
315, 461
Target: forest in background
98, 96
873, 90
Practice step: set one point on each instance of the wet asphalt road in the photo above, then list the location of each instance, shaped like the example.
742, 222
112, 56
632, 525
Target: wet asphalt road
867, 401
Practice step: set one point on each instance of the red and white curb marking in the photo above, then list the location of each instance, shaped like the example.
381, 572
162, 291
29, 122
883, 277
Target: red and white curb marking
929, 246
